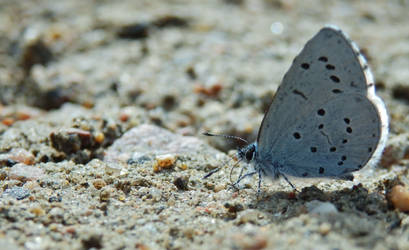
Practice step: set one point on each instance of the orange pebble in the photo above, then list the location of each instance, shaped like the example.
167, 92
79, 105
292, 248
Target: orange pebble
163, 162
23, 116
88, 104
123, 117
8, 121
399, 196
99, 138
212, 91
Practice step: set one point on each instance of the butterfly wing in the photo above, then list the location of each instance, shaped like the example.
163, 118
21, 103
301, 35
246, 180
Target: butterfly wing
325, 119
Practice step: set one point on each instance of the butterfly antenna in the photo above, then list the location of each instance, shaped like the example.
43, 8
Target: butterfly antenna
227, 136
231, 171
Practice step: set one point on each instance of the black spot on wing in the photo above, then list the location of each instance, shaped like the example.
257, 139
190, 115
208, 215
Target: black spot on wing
299, 93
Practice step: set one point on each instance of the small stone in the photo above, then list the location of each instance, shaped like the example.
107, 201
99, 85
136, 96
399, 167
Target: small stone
212, 91
93, 241
319, 207
183, 166
71, 140
22, 155
24, 172
3, 175
399, 197
105, 194
324, 228
219, 187
70, 230
17, 155
152, 140
170, 21
124, 117
33, 50
189, 233
312, 193
401, 92
248, 216
57, 198
37, 211
99, 183
396, 150
99, 138
181, 183
30, 185
134, 31
17, 192
8, 121
164, 162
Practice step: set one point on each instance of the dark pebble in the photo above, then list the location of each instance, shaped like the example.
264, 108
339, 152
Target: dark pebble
94, 241
170, 21
312, 193
181, 183
401, 92
134, 31
36, 53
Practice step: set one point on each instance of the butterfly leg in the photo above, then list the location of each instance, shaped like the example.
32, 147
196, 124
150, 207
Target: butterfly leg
241, 173
288, 181
244, 176
211, 172
259, 182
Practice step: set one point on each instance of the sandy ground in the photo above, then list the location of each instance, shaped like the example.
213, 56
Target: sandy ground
102, 106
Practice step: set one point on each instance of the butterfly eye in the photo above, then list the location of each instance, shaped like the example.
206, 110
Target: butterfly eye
250, 154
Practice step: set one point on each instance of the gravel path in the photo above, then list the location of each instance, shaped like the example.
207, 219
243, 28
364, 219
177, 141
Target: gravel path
102, 106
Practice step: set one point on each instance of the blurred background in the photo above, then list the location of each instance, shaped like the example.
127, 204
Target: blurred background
188, 66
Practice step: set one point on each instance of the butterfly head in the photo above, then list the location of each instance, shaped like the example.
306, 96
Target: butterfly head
247, 153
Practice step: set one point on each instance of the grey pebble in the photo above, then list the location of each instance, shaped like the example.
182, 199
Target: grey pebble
17, 192
320, 207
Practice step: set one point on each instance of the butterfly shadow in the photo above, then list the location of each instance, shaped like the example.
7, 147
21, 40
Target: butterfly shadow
354, 211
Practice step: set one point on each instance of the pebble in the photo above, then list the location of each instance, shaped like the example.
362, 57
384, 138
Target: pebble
170, 21
33, 50
399, 196
324, 228
248, 216
17, 192
219, 187
23, 172
320, 207
149, 139
3, 175
401, 92
395, 151
164, 162
22, 155
37, 211
105, 194
8, 121
134, 31
17, 155
99, 183
12, 113
212, 91
99, 138
181, 183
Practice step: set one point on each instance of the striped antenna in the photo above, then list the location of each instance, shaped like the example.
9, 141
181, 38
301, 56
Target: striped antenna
227, 136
